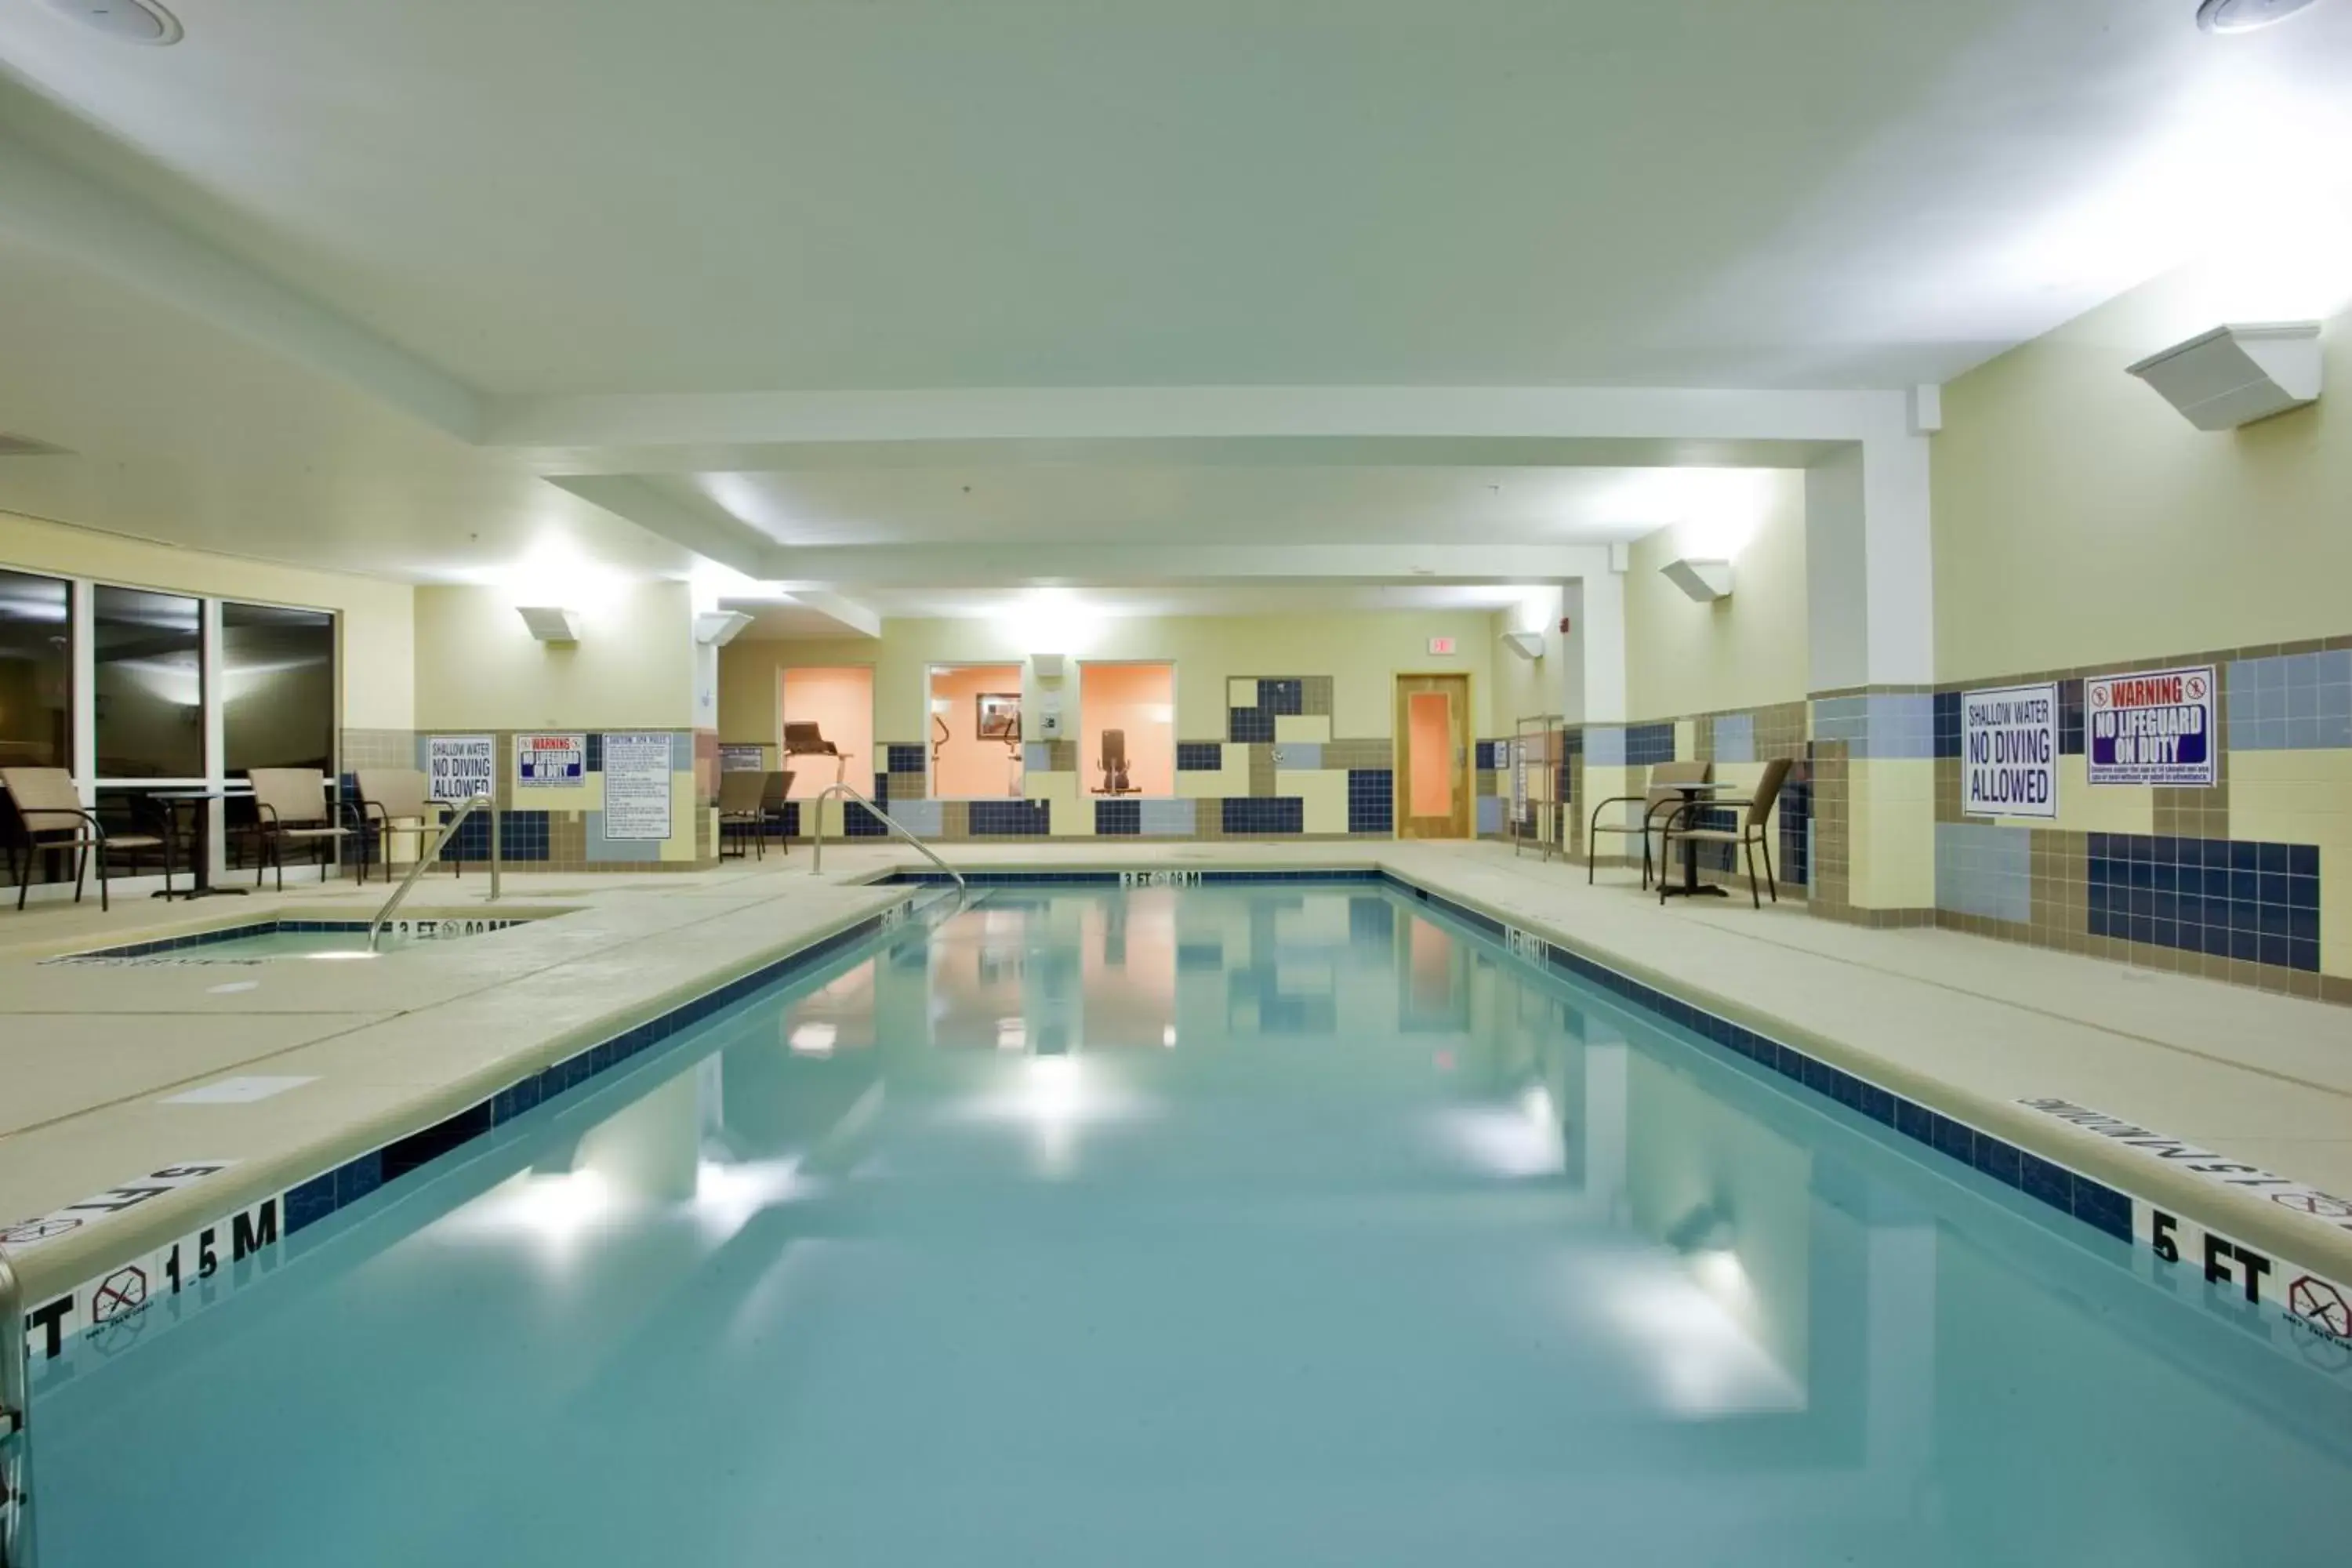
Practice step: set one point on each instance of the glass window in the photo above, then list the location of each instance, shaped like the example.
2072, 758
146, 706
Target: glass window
36, 672
277, 688
148, 684
1128, 728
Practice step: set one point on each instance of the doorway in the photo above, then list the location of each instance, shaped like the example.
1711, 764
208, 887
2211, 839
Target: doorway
1433, 742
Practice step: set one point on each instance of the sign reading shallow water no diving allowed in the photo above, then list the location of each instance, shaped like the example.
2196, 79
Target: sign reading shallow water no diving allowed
2008, 751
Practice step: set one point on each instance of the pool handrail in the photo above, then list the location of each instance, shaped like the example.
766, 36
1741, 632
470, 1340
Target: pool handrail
816, 833
457, 818
15, 1416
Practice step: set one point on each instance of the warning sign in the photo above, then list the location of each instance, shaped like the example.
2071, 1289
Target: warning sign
2009, 742
2157, 727
114, 1200
121, 1292
2317, 1303
459, 767
550, 762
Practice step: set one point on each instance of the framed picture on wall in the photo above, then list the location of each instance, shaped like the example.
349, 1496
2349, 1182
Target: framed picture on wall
997, 715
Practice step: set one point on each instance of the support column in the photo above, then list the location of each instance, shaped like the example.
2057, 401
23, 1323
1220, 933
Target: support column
1594, 654
1870, 595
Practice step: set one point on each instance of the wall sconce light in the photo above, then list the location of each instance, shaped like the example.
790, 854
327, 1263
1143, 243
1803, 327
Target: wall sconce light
1527, 645
548, 623
717, 628
1704, 581
2235, 375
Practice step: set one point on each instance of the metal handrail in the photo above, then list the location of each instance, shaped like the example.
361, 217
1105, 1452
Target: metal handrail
465, 809
817, 857
16, 1400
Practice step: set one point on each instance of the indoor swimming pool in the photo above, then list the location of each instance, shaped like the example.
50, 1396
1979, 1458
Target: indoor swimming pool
1276, 1223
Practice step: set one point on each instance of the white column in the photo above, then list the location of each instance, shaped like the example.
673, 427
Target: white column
1594, 648
215, 690
84, 727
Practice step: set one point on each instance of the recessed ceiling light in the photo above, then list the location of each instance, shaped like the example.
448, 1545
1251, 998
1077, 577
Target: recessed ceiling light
132, 21
2245, 16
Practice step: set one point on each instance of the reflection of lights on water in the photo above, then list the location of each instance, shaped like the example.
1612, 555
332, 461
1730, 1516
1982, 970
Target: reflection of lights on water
727, 1194
340, 953
1514, 1142
1168, 1036
813, 1039
1012, 1033
1695, 1329
556, 1209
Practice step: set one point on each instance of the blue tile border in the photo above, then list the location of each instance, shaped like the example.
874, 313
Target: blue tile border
309, 1202
2079, 1196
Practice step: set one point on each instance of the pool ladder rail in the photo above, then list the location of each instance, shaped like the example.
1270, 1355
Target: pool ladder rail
16, 1397
816, 833
449, 829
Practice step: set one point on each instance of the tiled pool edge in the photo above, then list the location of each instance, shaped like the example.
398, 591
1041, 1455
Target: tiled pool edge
55, 1317
2166, 1229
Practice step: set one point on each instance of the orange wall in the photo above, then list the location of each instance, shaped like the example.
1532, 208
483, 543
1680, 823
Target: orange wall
969, 768
1140, 698
839, 701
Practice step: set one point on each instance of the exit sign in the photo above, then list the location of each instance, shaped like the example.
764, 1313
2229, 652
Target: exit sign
1441, 646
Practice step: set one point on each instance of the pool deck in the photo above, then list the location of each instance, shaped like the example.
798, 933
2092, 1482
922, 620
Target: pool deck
1963, 1023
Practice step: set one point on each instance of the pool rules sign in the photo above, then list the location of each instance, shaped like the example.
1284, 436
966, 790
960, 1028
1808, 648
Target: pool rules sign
2008, 751
2152, 728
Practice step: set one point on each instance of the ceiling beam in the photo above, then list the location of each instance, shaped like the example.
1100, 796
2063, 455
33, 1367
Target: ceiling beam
796, 568
706, 420
47, 205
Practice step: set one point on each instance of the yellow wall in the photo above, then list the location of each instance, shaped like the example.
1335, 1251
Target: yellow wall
1363, 652
2080, 521
378, 664
477, 665
1744, 651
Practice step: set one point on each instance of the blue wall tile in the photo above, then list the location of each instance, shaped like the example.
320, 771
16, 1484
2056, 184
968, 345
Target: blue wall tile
1253, 726
1648, 744
1278, 814
1200, 756
1371, 800
1118, 818
2229, 897
1285, 695
1009, 819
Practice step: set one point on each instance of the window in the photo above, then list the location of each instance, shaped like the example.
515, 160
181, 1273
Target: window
148, 684
975, 731
1128, 728
35, 671
829, 715
277, 688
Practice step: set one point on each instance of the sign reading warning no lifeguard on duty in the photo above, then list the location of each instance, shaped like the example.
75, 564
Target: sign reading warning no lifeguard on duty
2008, 751
2153, 728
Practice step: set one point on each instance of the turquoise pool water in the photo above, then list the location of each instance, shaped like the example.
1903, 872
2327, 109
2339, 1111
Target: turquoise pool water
1265, 1224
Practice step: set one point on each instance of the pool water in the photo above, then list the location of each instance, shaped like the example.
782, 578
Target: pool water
1263, 1224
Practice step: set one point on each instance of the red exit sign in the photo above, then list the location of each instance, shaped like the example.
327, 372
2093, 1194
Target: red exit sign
1440, 646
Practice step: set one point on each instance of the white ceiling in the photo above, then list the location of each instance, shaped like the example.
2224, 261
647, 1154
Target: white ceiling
440, 291
542, 196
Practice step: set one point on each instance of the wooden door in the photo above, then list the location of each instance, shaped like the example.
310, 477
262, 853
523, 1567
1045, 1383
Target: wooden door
1433, 745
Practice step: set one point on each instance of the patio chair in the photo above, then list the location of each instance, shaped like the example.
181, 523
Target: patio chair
740, 798
50, 817
1753, 833
775, 793
1660, 800
290, 804
394, 800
